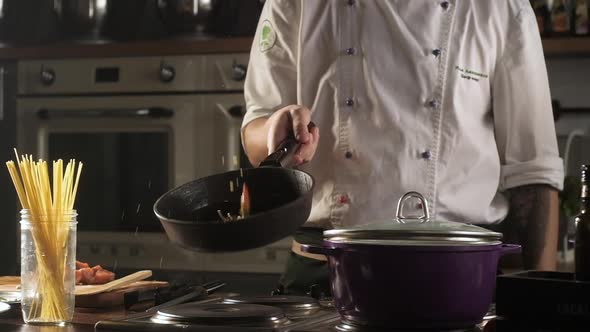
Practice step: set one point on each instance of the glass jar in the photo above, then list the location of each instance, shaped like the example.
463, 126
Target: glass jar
48, 266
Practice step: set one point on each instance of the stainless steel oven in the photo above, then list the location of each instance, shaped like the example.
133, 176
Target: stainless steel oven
8, 213
140, 126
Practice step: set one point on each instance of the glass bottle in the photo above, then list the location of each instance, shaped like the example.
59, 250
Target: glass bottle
582, 222
48, 267
580, 16
541, 9
560, 18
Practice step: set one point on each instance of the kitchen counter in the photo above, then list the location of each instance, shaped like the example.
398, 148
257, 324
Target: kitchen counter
552, 46
84, 321
179, 46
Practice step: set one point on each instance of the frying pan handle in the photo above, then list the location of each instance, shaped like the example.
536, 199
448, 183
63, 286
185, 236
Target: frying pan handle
320, 250
283, 155
510, 249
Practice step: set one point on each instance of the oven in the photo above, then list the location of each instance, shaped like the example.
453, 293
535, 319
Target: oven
141, 126
8, 215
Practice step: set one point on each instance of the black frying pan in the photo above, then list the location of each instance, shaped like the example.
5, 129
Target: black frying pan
280, 203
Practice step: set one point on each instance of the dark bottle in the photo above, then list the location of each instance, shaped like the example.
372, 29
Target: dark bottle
560, 18
582, 221
542, 13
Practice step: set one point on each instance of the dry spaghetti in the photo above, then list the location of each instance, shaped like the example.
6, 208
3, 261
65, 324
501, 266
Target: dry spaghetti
48, 205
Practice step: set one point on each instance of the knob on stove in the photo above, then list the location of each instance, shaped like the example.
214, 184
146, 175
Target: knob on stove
316, 291
238, 72
167, 73
280, 290
47, 76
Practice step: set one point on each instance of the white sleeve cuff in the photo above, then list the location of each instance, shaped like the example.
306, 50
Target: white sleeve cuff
251, 115
254, 113
539, 171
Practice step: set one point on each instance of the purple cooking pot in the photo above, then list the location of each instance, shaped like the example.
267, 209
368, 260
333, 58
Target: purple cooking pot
413, 273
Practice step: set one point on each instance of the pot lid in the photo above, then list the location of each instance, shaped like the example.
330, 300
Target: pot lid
417, 231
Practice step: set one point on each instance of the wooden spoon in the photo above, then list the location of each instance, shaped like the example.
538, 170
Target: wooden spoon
115, 284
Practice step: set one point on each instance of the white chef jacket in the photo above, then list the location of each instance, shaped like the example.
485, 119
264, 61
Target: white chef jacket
447, 98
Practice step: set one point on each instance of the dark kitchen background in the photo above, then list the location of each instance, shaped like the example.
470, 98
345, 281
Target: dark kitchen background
180, 62
175, 70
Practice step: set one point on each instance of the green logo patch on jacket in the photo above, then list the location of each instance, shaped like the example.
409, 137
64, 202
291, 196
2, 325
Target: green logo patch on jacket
268, 36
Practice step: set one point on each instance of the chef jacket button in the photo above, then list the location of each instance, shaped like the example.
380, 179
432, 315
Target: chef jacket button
348, 155
349, 102
350, 51
434, 104
350, 2
343, 199
445, 5
436, 52
426, 155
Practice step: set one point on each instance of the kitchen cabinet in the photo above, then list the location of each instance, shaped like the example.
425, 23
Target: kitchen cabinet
8, 206
164, 47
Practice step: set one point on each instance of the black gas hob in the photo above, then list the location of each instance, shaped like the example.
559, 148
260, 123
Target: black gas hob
235, 313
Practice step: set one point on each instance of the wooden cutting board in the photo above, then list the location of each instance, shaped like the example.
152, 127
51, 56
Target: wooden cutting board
9, 284
116, 297
100, 300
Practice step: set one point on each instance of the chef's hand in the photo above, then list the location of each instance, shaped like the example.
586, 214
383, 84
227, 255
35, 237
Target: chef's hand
295, 119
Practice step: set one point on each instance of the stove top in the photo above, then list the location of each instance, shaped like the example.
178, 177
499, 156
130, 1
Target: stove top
236, 313
231, 313
218, 314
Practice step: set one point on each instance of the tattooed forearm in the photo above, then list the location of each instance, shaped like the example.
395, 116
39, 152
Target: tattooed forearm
533, 223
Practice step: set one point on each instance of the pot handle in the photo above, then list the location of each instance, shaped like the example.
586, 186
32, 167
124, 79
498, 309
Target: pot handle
399, 214
320, 250
510, 249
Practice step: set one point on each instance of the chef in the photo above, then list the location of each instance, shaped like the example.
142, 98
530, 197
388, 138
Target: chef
447, 98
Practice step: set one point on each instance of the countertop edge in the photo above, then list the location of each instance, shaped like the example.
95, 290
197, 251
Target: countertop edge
564, 46
165, 47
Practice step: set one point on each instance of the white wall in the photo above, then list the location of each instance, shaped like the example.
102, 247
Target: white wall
570, 84
570, 81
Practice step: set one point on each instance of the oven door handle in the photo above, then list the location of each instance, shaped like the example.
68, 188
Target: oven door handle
234, 113
150, 112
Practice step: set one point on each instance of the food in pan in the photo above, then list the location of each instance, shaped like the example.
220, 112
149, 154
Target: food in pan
245, 201
244, 207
